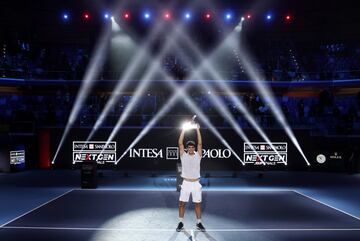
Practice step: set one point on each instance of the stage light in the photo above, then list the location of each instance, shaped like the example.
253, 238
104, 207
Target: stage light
66, 16
238, 27
268, 17
167, 15
288, 18
112, 18
248, 16
228, 16
147, 15
86, 16
126, 15
107, 16
187, 15
208, 16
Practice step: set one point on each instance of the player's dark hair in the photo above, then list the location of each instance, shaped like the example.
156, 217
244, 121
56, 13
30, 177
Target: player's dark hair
190, 143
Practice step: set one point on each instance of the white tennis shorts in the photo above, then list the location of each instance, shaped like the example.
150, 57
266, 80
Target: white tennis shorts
193, 188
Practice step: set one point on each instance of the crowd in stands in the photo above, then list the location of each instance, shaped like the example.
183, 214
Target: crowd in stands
27, 61
278, 61
328, 112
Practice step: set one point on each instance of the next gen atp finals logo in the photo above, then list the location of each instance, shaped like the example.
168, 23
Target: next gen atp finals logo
97, 151
258, 153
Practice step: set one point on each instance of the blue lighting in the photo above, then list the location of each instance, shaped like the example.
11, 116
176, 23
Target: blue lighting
107, 16
187, 15
268, 17
228, 16
147, 15
65, 16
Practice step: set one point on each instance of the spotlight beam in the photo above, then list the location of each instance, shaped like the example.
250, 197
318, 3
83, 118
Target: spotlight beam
156, 118
125, 78
146, 129
141, 88
219, 105
207, 122
193, 107
189, 105
143, 52
211, 69
144, 83
111, 136
196, 110
267, 94
92, 71
263, 89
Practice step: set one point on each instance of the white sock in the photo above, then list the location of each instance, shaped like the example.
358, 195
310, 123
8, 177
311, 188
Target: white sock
199, 220
181, 219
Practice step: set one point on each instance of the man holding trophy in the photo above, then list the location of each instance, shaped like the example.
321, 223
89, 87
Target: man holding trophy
190, 161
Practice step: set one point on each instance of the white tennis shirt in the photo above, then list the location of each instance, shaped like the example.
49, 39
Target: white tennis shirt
190, 165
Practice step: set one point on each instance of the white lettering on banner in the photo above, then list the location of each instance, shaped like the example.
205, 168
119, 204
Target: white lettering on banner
104, 147
172, 153
336, 156
265, 153
99, 151
79, 157
94, 146
80, 146
216, 153
146, 153
263, 146
249, 157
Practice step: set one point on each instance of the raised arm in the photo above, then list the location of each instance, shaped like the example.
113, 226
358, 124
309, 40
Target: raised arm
181, 142
199, 140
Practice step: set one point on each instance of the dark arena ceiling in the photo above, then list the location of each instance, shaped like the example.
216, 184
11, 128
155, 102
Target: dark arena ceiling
318, 20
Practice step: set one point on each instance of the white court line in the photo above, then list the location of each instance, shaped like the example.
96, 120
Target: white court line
130, 189
192, 235
337, 209
171, 230
36, 208
191, 231
173, 189
246, 190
